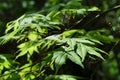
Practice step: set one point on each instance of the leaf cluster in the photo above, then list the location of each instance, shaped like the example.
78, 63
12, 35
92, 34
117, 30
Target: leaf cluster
53, 40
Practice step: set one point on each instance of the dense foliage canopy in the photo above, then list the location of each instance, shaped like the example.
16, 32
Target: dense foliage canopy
64, 40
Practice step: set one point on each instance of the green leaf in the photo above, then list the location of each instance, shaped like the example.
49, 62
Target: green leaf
80, 40
99, 50
4, 62
93, 52
7, 64
60, 58
33, 36
81, 11
94, 9
29, 47
75, 58
68, 33
47, 45
3, 57
26, 65
81, 51
96, 41
53, 37
29, 76
8, 37
13, 76
63, 77
74, 11
49, 15
71, 43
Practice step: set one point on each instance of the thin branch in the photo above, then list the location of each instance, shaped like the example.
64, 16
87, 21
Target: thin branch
113, 9
99, 15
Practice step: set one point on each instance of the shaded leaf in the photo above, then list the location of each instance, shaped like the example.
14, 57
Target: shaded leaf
60, 58
75, 58
81, 51
63, 77
93, 52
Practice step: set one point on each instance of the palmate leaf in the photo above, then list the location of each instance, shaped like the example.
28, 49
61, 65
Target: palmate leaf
32, 46
76, 49
60, 55
26, 24
13, 24
4, 39
47, 45
4, 62
29, 47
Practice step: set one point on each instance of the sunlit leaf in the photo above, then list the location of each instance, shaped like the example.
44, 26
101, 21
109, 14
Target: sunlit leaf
25, 66
28, 47
6, 64
68, 33
3, 57
94, 9
32, 36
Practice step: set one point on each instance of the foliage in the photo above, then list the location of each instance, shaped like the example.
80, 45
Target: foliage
10, 10
54, 38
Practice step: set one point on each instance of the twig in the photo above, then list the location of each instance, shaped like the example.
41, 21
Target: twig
117, 42
99, 15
